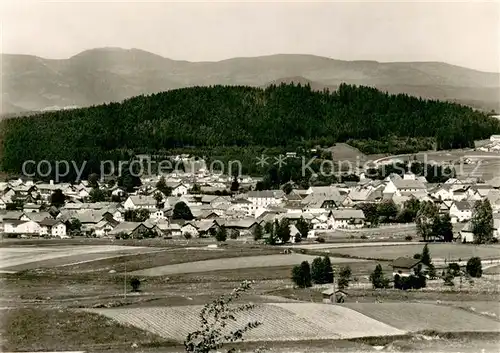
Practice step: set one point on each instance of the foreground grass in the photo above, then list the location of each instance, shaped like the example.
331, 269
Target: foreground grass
31, 329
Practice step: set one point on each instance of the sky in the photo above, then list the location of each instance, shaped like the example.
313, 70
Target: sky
460, 33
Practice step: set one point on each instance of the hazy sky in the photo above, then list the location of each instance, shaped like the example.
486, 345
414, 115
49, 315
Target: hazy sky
461, 33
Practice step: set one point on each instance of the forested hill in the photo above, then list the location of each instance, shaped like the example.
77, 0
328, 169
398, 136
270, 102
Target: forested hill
285, 115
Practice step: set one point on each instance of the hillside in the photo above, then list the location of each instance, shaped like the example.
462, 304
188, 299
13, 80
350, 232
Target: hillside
113, 74
245, 117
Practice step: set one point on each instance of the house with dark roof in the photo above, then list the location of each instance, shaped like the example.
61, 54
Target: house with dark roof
346, 218
461, 211
405, 266
53, 227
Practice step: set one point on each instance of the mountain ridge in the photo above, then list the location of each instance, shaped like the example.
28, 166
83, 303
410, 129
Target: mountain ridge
111, 74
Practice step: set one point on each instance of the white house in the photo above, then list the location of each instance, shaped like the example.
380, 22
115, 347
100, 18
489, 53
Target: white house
260, 200
189, 228
3, 204
103, 227
53, 227
461, 211
347, 218
178, 189
495, 138
157, 215
137, 202
18, 226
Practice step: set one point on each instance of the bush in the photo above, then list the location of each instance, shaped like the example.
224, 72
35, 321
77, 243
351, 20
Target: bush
320, 240
187, 235
454, 269
417, 256
135, 283
408, 238
363, 237
221, 234
474, 267
234, 234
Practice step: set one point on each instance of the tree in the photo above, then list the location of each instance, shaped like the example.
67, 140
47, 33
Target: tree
426, 256
214, 321
129, 179
97, 195
301, 275
387, 210
57, 198
93, 180
328, 269
182, 211
303, 227
159, 199
258, 232
282, 229
443, 228
268, 227
322, 270
454, 268
378, 279
196, 189
448, 279
221, 234
74, 226
235, 185
482, 222
474, 267
139, 215
161, 185
287, 188
425, 219
317, 271
135, 283
344, 277
234, 234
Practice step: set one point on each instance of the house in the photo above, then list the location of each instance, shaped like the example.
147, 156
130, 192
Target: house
103, 227
137, 202
495, 138
157, 214
405, 266
265, 198
18, 226
190, 228
53, 227
294, 232
331, 296
31, 207
246, 225
461, 211
135, 230
402, 185
178, 188
467, 234
3, 204
347, 218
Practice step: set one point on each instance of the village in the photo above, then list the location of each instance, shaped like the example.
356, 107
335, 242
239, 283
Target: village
210, 201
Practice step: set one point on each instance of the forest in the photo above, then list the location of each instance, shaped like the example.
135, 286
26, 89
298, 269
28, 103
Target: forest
239, 118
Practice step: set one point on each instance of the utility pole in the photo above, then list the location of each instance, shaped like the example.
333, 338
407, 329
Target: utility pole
125, 283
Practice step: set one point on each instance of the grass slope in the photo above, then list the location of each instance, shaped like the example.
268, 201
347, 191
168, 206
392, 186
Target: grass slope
419, 316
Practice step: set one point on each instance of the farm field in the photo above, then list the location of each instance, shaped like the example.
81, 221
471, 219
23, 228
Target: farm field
419, 316
280, 321
31, 329
20, 258
234, 263
391, 251
487, 308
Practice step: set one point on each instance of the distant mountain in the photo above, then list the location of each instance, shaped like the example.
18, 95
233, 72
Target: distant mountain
113, 74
